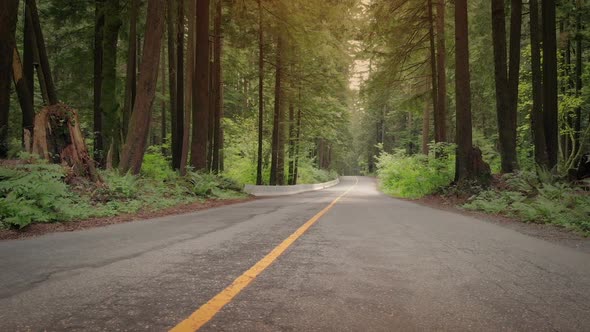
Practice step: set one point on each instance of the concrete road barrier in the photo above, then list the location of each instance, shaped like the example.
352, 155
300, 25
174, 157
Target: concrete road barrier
287, 190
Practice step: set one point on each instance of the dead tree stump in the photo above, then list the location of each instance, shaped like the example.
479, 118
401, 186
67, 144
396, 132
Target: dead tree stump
57, 138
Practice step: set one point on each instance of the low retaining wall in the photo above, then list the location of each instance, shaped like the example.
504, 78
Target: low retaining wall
287, 190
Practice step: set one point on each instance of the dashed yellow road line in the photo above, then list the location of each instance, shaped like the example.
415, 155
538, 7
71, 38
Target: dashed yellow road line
208, 310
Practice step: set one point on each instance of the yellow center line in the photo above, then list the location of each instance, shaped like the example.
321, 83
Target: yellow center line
208, 310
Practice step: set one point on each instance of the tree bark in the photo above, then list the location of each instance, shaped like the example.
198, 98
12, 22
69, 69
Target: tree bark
190, 93
28, 72
218, 88
8, 19
426, 128
550, 81
99, 155
511, 157
43, 59
136, 140
505, 111
176, 145
537, 121
464, 169
440, 115
274, 164
24, 95
297, 143
260, 93
131, 77
579, 71
180, 93
291, 140
201, 111
433, 72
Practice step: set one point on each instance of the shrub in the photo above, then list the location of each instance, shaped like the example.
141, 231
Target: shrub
414, 176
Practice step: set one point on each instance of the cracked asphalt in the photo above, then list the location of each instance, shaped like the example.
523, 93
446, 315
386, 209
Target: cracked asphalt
371, 263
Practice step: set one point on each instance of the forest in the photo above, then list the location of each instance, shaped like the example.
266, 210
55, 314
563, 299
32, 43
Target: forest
112, 106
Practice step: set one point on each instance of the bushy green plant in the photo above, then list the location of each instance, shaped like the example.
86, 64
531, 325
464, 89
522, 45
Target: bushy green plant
414, 176
157, 166
34, 194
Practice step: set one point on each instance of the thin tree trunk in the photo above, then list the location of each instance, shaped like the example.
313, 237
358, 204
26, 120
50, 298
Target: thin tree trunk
291, 141
440, 115
260, 93
511, 157
503, 98
218, 87
136, 140
43, 59
163, 102
131, 78
201, 111
8, 20
297, 143
550, 81
28, 72
24, 94
99, 153
180, 93
433, 70
175, 143
274, 172
579, 71
212, 93
189, 95
537, 121
426, 128
109, 104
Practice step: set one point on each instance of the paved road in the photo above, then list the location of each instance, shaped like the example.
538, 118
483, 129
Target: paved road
371, 263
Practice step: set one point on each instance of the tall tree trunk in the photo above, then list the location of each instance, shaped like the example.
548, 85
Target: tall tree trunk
24, 96
109, 104
136, 140
426, 128
550, 80
212, 93
218, 88
260, 94
163, 128
180, 105
274, 164
579, 71
440, 114
506, 115
291, 141
464, 169
201, 111
131, 78
176, 145
190, 93
43, 59
433, 71
297, 143
99, 153
511, 157
28, 71
537, 121
8, 19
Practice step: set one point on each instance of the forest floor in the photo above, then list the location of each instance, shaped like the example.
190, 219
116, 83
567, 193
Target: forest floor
549, 232
76, 225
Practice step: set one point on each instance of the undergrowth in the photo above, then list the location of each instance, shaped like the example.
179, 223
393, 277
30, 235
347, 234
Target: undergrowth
538, 199
39, 192
415, 176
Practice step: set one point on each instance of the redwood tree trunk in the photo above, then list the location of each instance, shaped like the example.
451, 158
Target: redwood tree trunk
176, 145
136, 140
28, 71
537, 121
201, 111
440, 114
8, 19
99, 155
218, 47
291, 141
178, 124
510, 164
43, 59
550, 80
274, 164
260, 94
504, 111
464, 169
131, 79
24, 96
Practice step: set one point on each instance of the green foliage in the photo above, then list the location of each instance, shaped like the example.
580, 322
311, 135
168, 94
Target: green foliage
414, 176
157, 166
34, 193
536, 199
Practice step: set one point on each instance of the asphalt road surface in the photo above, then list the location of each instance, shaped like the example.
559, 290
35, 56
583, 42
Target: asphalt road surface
370, 263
